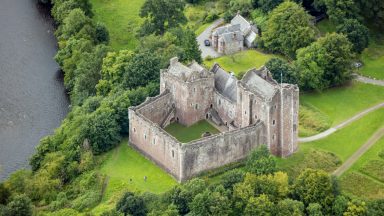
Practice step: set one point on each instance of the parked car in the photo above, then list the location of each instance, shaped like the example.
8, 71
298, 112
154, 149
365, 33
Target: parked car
207, 43
357, 64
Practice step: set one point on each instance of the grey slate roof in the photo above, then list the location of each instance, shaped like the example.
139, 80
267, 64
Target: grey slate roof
229, 37
257, 84
225, 83
226, 29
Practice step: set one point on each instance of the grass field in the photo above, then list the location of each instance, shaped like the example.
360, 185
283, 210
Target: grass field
365, 178
186, 134
122, 20
312, 121
328, 153
373, 57
241, 62
342, 103
123, 164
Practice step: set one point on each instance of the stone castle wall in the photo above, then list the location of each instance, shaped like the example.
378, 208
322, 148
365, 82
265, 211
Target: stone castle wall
150, 139
221, 149
225, 108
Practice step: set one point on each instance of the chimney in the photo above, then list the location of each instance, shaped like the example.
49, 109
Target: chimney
173, 61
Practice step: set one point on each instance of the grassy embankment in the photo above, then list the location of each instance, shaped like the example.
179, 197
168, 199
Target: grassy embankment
185, 134
372, 57
366, 177
125, 169
241, 62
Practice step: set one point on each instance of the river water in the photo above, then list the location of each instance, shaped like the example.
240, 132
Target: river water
32, 97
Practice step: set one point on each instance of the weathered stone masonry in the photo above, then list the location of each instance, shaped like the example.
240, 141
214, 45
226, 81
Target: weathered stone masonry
255, 110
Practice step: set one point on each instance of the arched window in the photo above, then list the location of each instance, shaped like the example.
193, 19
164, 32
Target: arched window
173, 154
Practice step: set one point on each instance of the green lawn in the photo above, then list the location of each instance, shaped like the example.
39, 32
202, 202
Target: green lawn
365, 178
186, 134
346, 141
241, 61
342, 103
122, 20
312, 121
328, 153
124, 163
373, 57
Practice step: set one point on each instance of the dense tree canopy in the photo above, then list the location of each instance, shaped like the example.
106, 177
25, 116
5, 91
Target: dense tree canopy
356, 33
288, 29
162, 15
326, 62
260, 161
281, 70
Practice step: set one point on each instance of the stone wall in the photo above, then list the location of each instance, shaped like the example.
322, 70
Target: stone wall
157, 109
225, 107
218, 150
153, 141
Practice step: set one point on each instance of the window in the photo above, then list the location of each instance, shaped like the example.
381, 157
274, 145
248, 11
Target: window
145, 136
219, 102
194, 89
134, 130
294, 128
154, 141
273, 121
245, 112
196, 106
275, 107
173, 154
255, 116
273, 137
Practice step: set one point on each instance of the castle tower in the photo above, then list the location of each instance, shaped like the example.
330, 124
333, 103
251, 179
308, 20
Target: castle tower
191, 88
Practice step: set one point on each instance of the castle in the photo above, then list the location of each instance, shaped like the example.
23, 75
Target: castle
253, 111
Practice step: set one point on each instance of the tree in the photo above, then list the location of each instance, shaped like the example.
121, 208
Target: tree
102, 34
281, 70
260, 161
356, 33
313, 186
372, 11
61, 8
288, 29
4, 194
289, 207
162, 15
190, 46
76, 24
230, 178
259, 206
268, 5
326, 62
339, 10
339, 205
102, 130
131, 204
20, 205
142, 69
211, 203
356, 208
375, 207
314, 209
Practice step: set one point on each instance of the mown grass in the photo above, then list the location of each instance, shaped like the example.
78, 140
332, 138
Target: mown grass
373, 57
341, 103
328, 153
365, 178
125, 169
186, 134
346, 141
241, 61
122, 20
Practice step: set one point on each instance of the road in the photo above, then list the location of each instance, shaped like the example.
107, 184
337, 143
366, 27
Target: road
351, 160
208, 51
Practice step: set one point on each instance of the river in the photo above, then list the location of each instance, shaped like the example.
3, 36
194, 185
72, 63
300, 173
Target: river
32, 96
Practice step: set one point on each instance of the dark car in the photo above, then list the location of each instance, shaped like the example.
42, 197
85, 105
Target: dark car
207, 43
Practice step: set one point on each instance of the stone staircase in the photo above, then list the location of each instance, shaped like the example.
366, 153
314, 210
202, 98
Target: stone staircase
214, 116
168, 117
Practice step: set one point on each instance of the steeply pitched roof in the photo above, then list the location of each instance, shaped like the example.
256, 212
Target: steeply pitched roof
232, 36
226, 29
225, 83
239, 20
258, 85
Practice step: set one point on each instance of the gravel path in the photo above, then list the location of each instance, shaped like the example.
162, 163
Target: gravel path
350, 120
351, 160
369, 80
208, 50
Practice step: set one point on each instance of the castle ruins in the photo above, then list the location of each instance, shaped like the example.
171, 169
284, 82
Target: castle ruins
255, 110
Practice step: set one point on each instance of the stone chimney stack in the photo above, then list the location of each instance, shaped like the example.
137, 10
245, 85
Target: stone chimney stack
173, 61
